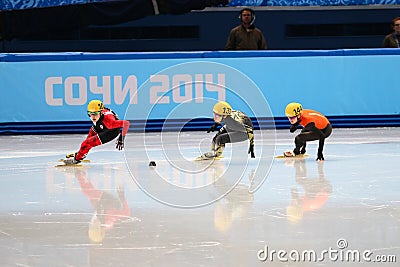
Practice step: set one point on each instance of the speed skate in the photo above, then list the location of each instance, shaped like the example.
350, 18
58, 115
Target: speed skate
204, 157
300, 156
84, 160
62, 164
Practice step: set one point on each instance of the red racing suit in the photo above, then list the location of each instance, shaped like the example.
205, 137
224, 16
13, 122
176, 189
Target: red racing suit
106, 129
109, 208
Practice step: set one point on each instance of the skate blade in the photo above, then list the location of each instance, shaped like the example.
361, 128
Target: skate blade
69, 165
294, 157
201, 158
84, 160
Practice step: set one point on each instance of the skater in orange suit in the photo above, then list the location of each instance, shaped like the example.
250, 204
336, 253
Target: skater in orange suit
316, 192
315, 127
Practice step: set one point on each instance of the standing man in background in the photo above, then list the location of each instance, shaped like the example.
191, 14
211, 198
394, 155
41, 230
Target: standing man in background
246, 36
392, 40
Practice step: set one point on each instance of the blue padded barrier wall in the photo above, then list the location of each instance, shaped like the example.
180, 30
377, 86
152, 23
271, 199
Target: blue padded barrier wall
48, 93
81, 127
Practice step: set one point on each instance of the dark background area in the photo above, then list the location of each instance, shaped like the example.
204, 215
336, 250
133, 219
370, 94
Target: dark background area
73, 30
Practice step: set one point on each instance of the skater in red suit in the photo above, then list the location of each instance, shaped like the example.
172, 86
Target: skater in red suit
106, 127
108, 208
315, 127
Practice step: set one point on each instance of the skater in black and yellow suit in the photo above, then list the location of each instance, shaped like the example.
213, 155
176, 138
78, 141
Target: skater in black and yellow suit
237, 128
315, 127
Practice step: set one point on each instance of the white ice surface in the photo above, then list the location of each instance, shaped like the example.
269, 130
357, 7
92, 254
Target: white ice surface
186, 213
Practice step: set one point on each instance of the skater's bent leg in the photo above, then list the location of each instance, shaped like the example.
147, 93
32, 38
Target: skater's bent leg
218, 143
327, 130
223, 137
220, 140
219, 150
303, 148
86, 145
96, 140
301, 139
299, 142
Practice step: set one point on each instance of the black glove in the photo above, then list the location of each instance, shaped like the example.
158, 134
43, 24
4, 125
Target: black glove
320, 157
251, 151
293, 128
120, 142
212, 128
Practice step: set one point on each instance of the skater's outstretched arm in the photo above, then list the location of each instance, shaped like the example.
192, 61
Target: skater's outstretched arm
111, 123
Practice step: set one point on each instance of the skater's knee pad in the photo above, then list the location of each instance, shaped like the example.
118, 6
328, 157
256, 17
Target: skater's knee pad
219, 150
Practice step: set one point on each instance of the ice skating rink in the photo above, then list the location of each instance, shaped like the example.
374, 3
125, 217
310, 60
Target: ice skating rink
236, 211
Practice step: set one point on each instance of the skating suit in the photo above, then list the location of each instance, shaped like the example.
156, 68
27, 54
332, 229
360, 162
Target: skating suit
238, 127
308, 116
106, 129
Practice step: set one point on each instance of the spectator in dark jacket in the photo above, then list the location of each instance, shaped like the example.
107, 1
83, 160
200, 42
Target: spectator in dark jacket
392, 40
246, 36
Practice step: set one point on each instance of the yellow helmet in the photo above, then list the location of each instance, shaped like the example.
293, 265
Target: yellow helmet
222, 108
95, 106
293, 109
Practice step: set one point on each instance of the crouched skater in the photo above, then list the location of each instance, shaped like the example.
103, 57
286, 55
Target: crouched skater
106, 127
237, 127
315, 127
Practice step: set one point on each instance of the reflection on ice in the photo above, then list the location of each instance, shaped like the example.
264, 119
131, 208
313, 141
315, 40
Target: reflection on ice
316, 191
103, 215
